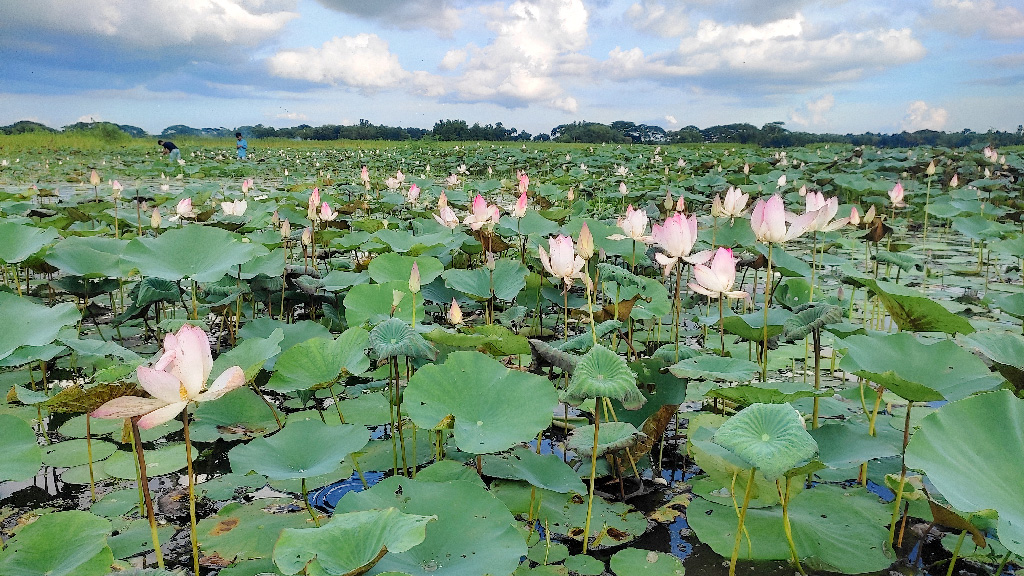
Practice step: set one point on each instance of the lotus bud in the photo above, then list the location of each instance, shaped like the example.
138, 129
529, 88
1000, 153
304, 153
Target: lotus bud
585, 244
94, 178
622, 188
681, 204
307, 236
442, 201
275, 219
489, 261
988, 173
414, 279
669, 203
117, 188
930, 170
570, 195
802, 191
396, 298
455, 314
155, 219
782, 182
746, 169
854, 216
954, 181
286, 229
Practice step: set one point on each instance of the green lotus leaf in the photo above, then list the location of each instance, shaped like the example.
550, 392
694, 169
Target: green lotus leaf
29, 324
751, 326
246, 531
913, 310
391, 267
833, 529
611, 436
18, 241
70, 453
785, 263
240, 414
964, 448
635, 561
917, 371
657, 385
22, 455
769, 437
584, 565
902, 260
764, 393
848, 444
136, 538
506, 280
302, 449
792, 292
602, 373
89, 257
320, 361
201, 253
713, 367
294, 333
116, 503
543, 471
164, 460
978, 227
500, 340
810, 318
349, 542
494, 407
474, 532
999, 346
393, 338
373, 303
72, 543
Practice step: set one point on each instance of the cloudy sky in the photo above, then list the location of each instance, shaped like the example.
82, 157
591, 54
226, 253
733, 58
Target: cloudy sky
826, 65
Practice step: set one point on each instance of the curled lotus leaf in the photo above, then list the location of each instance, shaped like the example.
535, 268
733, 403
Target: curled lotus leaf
602, 373
611, 436
810, 318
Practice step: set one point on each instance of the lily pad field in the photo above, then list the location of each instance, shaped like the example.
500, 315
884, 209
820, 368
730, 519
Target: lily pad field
496, 359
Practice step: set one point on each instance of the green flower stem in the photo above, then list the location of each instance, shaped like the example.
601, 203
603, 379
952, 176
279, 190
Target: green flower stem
676, 307
593, 473
721, 322
88, 448
1003, 562
764, 334
739, 525
193, 534
816, 337
784, 498
927, 197
956, 553
903, 476
309, 507
144, 488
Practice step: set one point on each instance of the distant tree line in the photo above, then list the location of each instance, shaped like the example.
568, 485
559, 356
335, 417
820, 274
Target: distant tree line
771, 135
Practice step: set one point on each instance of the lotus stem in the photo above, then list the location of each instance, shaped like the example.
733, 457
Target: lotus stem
956, 552
144, 488
193, 534
309, 507
767, 295
903, 476
565, 298
816, 336
784, 497
593, 473
676, 307
88, 448
814, 252
1003, 562
721, 322
927, 197
739, 525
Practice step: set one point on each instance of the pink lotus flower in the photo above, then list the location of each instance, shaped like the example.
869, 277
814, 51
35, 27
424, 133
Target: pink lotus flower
768, 221
954, 181
563, 262
676, 238
177, 379
442, 201
896, 196
414, 278
399, 176
246, 185
364, 176
733, 205
313, 204
326, 214
184, 208
94, 178
413, 194
854, 216
824, 210
717, 279
482, 213
633, 225
524, 183
585, 245
519, 210
447, 217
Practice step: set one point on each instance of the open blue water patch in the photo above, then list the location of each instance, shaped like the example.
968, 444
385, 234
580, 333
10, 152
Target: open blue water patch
327, 498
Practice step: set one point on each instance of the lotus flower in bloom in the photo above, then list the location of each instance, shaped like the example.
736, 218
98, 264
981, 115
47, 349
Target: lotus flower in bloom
633, 225
824, 210
733, 205
716, 280
236, 208
446, 217
452, 180
326, 214
676, 238
482, 213
768, 221
364, 176
519, 210
399, 176
896, 196
393, 183
563, 261
178, 377
184, 208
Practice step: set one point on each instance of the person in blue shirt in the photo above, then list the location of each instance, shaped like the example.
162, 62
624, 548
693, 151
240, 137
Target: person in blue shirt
172, 151
241, 146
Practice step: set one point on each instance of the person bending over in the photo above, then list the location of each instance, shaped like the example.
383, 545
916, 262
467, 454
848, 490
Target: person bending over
172, 151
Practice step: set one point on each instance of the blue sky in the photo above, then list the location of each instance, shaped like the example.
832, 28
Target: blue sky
820, 66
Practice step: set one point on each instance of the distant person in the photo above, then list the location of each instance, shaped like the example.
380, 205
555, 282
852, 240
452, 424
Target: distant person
241, 146
172, 151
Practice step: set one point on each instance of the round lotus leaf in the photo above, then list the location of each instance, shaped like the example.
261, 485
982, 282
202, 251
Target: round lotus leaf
494, 407
70, 453
710, 367
246, 531
309, 364
769, 437
846, 444
228, 485
201, 253
379, 456
611, 436
116, 503
238, 415
602, 373
250, 354
294, 333
349, 542
634, 561
393, 337
373, 303
29, 324
964, 448
136, 538
390, 267
506, 280
584, 565
163, 460
474, 532
72, 543
546, 471
22, 456
19, 241
915, 370
81, 475
834, 530
548, 553
88, 256
302, 449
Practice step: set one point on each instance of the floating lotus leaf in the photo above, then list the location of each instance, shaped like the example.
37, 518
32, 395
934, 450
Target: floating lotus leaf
320, 361
392, 267
543, 471
494, 407
583, 342
848, 444
70, 453
29, 324
602, 373
611, 436
349, 543
245, 531
917, 371
964, 448
769, 437
751, 326
89, 257
22, 455
833, 529
393, 337
201, 253
302, 449
18, 241
712, 367
584, 565
240, 414
72, 543
474, 532
810, 318
765, 393
506, 280
164, 460
913, 310
136, 538
635, 561
792, 292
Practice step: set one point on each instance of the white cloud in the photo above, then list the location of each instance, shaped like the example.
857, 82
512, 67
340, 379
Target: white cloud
438, 15
291, 116
90, 118
363, 61
920, 116
671, 120
452, 59
152, 24
993, 19
813, 112
667, 20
